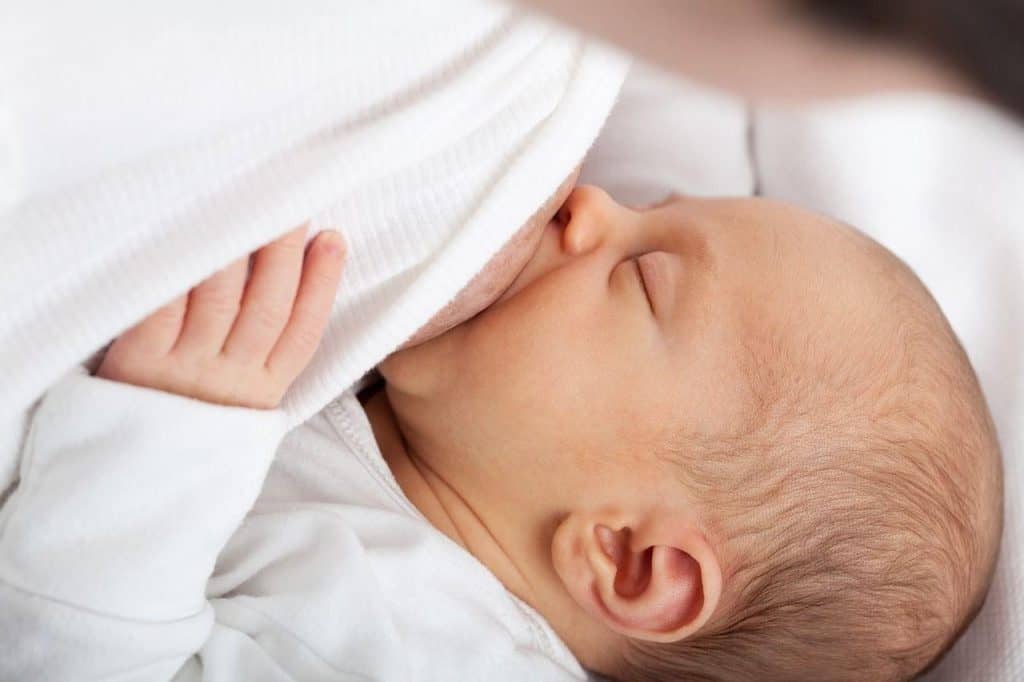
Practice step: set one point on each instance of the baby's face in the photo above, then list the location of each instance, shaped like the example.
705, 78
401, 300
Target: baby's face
623, 328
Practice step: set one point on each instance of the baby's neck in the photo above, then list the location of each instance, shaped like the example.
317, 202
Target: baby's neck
518, 565
439, 502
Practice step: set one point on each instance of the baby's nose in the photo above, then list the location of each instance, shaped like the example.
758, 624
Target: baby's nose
591, 217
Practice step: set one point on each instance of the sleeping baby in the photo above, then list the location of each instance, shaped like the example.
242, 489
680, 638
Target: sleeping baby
715, 439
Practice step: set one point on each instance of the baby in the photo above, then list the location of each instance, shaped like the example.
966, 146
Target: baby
711, 440
716, 439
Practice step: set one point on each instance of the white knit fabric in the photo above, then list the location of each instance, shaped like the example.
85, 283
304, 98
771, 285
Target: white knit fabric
146, 147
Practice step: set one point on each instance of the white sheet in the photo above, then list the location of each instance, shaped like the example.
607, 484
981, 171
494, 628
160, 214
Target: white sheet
665, 136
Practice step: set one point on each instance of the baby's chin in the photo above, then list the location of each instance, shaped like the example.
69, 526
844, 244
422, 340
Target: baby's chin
500, 272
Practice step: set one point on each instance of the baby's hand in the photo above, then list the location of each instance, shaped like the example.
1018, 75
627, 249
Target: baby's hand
234, 342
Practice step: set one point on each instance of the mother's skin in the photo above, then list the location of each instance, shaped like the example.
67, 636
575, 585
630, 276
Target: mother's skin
490, 283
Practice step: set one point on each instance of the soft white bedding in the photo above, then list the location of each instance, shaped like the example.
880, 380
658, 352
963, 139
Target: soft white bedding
939, 181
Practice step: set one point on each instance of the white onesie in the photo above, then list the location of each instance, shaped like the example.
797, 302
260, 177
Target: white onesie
129, 496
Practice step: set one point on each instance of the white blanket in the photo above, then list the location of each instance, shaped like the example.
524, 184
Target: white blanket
145, 147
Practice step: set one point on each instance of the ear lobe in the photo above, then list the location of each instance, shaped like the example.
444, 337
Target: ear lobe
679, 594
660, 583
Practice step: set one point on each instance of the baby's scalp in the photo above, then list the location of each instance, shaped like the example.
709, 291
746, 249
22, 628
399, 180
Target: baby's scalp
857, 510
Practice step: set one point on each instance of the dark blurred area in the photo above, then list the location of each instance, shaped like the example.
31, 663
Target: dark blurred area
984, 39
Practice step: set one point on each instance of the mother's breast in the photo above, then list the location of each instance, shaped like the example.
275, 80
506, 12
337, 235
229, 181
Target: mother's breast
499, 273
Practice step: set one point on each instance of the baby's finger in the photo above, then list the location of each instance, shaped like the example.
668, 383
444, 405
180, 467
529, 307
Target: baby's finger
212, 309
320, 276
268, 298
156, 335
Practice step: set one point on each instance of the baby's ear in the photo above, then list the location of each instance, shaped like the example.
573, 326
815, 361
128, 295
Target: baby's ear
654, 577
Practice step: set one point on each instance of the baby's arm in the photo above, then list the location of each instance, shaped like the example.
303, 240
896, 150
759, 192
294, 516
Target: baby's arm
133, 480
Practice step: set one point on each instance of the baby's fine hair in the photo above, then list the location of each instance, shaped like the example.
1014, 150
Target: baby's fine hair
857, 512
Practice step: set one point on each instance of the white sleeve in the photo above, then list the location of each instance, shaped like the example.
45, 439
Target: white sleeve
127, 495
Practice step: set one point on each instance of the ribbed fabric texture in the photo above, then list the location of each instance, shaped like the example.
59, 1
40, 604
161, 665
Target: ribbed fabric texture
427, 134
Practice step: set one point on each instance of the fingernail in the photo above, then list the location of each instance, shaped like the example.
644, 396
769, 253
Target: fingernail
333, 242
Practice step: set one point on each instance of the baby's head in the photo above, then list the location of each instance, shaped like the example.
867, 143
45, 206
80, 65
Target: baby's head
717, 439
